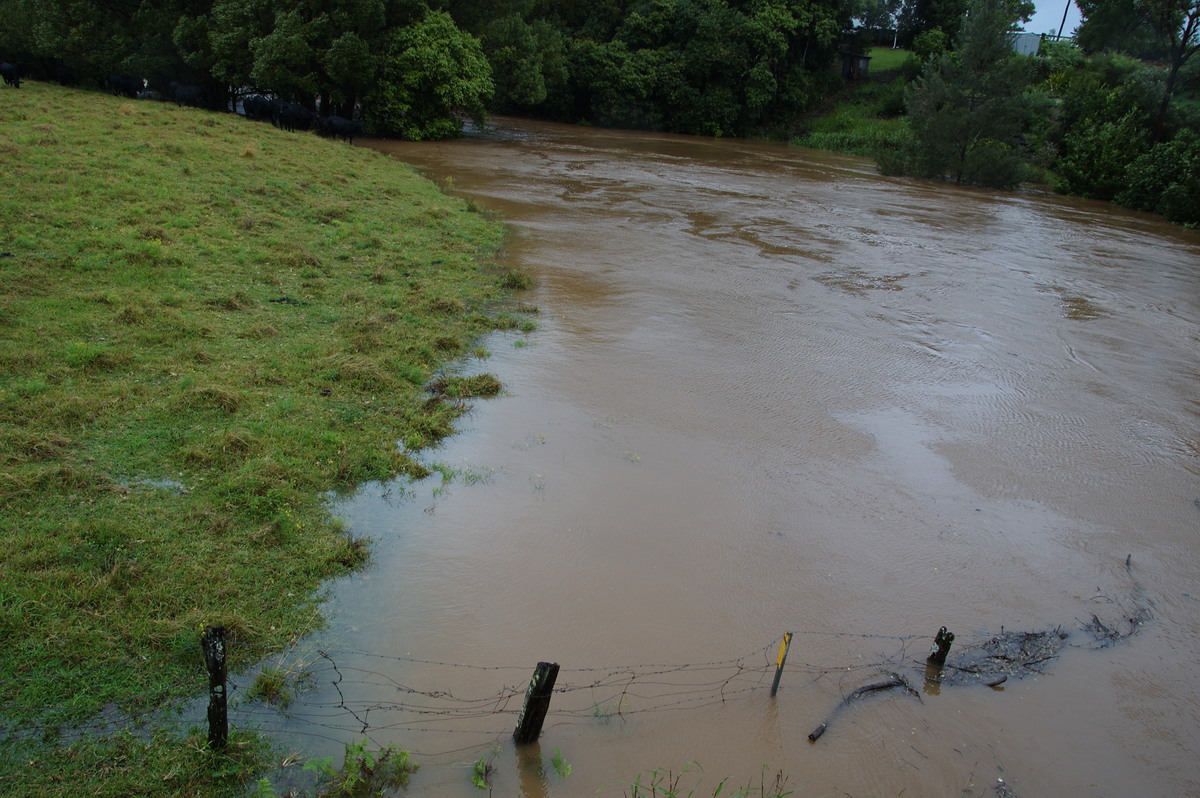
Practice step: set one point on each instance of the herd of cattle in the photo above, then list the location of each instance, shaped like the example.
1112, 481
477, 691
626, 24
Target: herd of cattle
259, 107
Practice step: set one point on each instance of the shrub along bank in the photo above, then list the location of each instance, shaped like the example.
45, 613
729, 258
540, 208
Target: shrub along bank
206, 325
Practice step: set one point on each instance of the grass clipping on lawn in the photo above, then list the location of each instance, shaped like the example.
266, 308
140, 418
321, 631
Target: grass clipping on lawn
206, 325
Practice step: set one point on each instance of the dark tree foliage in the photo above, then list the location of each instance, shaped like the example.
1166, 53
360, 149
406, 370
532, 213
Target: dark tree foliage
1104, 123
1115, 26
431, 73
717, 67
1167, 31
925, 15
528, 61
1166, 180
971, 106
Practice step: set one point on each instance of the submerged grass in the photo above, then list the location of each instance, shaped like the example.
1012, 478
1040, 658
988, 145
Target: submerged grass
206, 325
866, 117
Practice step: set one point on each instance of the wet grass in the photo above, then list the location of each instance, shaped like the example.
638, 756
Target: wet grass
206, 327
865, 117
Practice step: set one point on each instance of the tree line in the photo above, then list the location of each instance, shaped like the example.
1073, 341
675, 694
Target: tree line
414, 68
1101, 117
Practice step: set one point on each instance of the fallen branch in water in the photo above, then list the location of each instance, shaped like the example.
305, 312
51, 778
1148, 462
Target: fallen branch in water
894, 680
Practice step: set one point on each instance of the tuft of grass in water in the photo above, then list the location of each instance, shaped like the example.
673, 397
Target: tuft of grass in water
207, 325
517, 280
477, 385
363, 771
660, 783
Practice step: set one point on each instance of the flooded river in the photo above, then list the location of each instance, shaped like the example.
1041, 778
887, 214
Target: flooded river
772, 391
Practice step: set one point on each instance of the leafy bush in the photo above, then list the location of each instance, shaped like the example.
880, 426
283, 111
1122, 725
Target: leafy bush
1098, 155
364, 772
1166, 180
992, 163
930, 43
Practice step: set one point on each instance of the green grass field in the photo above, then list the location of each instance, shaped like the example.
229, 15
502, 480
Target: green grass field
206, 326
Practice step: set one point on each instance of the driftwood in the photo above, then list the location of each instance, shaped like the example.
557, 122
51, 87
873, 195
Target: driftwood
997, 659
1132, 620
1008, 655
894, 680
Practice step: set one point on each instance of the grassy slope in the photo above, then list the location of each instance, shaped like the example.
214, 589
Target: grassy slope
205, 325
863, 117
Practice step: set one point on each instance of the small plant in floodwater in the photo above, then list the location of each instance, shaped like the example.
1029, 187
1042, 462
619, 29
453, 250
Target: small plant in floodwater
660, 783
486, 475
263, 789
481, 772
272, 686
632, 457
364, 772
559, 763
449, 473
530, 441
605, 712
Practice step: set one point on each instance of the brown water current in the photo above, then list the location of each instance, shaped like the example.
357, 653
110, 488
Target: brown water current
773, 391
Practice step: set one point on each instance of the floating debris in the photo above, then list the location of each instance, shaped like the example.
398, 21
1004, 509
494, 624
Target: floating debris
1007, 655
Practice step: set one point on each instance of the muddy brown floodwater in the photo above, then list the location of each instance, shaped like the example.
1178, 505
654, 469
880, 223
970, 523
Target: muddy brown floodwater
773, 391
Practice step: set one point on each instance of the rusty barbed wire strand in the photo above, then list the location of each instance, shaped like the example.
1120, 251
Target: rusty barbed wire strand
626, 690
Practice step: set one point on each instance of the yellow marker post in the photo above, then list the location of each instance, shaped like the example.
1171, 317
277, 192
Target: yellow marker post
783, 652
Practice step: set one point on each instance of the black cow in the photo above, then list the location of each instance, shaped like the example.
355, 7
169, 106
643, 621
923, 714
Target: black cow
187, 94
291, 117
125, 86
12, 74
257, 107
337, 126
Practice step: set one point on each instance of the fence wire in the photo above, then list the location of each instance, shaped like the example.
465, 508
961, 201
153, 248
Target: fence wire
339, 695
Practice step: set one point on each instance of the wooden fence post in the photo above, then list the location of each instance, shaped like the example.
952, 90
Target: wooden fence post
537, 702
941, 647
783, 652
213, 642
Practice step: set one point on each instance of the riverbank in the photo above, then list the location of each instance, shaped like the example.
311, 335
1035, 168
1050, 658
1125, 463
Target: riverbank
210, 325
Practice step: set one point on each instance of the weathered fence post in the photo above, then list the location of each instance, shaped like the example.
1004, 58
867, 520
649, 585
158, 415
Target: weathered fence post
941, 647
783, 652
213, 642
537, 702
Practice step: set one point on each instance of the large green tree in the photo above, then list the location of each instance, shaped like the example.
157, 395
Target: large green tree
969, 106
1161, 30
1176, 23
431, 74
528, 60
715, 67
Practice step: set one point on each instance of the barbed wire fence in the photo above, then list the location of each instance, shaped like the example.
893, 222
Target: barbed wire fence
339, 695
344, 694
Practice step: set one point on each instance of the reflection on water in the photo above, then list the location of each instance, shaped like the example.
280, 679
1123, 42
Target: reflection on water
773, 391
